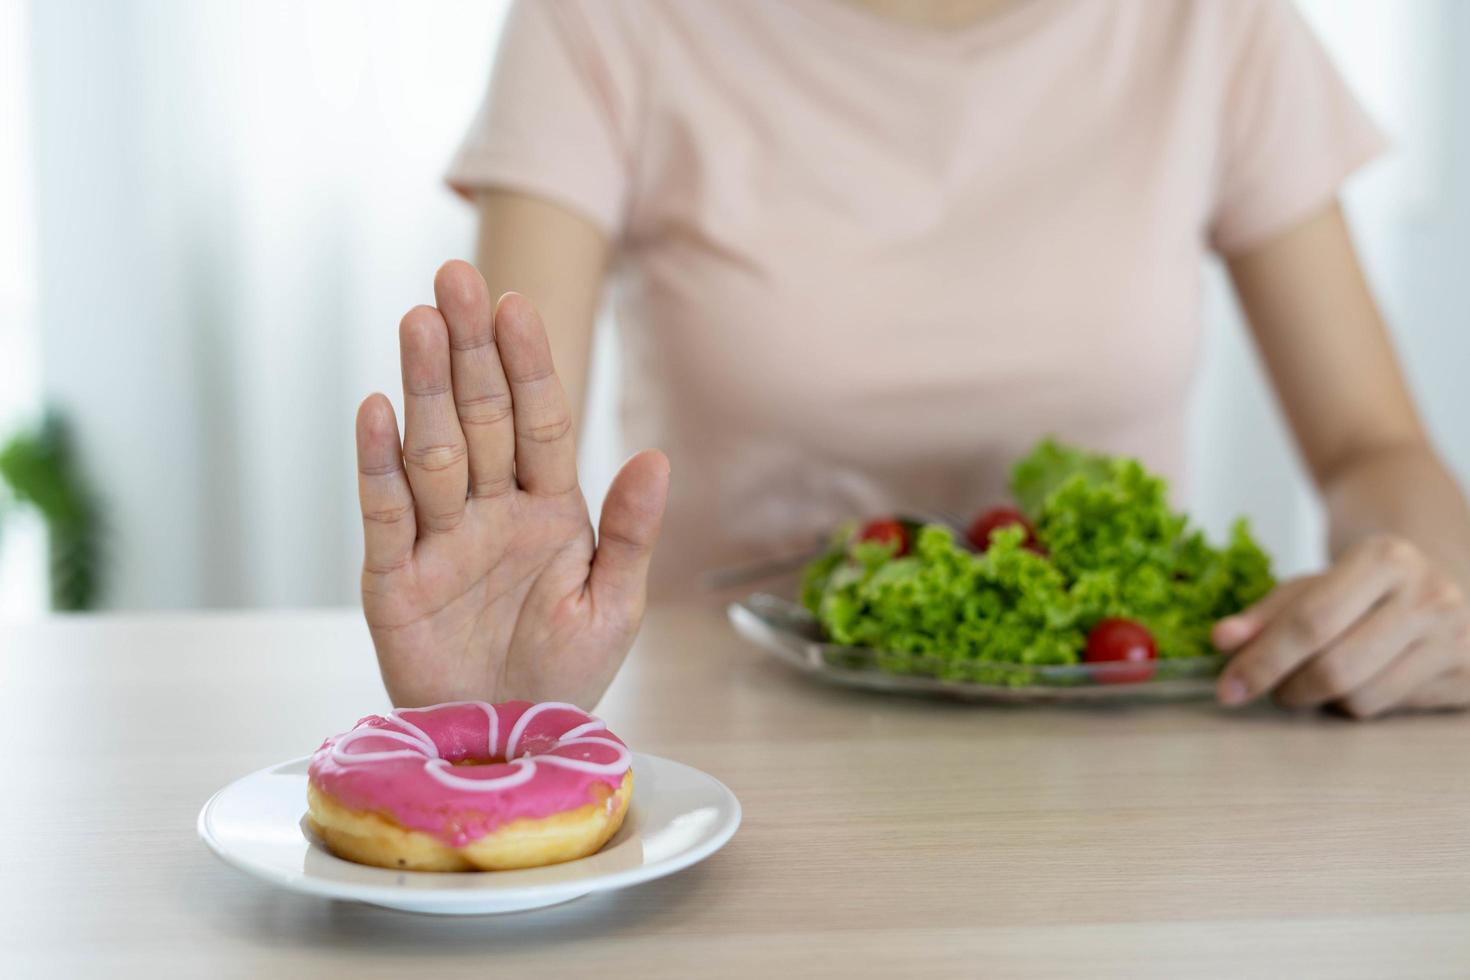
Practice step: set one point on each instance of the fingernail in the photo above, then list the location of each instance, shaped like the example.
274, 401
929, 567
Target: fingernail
1230, 628
1233, 691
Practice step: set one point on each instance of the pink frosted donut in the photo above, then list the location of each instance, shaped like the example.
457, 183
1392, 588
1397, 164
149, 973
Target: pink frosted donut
468, 785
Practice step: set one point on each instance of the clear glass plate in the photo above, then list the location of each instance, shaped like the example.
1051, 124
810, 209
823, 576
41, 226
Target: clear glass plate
791, 633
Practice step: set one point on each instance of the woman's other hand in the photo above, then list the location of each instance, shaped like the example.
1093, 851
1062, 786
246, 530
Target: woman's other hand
1383, 629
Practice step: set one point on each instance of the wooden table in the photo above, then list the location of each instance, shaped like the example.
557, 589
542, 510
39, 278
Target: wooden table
882, 836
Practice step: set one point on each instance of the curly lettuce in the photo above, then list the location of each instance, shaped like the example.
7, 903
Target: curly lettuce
1113, 548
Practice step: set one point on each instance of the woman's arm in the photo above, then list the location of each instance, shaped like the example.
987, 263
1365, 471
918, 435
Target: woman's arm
558, 260
1387, 626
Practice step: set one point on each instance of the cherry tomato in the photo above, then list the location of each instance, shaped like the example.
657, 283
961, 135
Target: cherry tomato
1121, 640
888, 531
996, 518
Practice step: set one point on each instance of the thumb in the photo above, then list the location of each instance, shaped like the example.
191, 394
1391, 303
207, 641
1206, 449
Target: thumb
631, 515
1234, 632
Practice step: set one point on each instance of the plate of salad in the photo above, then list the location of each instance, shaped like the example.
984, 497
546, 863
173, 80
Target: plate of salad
1086, 586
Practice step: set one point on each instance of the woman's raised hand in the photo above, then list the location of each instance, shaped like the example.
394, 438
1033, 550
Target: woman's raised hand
482, 578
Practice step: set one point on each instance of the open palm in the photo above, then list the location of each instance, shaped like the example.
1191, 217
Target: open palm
481, 575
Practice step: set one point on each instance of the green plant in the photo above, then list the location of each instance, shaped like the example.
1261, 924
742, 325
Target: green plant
38, 465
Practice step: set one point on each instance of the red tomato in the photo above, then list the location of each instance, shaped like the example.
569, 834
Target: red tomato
1121, 640
888, 531
996, 518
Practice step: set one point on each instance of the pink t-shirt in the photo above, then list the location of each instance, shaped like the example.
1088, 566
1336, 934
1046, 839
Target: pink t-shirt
862, 265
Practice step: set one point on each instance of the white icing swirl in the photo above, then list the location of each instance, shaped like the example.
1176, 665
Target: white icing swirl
395, 717
492, 747
595, 725
349, 758
420, 745
519, 728
624, 759
440, 770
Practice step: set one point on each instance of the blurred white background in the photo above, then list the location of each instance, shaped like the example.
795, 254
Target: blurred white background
212, 215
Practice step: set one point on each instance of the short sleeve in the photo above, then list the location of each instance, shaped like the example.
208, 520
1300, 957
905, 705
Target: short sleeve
1291, 131
561, 115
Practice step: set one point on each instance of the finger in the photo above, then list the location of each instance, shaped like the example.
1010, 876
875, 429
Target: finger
1415, 671
382, 488
1312, 619
1368, 648
433, 443
481, 394
1235, 631
545, 451
632, 513
1450, 690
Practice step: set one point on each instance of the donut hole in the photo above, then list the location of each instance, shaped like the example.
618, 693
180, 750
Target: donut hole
472, 761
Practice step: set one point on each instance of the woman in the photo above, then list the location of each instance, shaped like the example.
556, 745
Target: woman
864, 253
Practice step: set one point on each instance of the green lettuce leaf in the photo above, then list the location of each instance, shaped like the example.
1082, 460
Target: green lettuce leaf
1114, 548
1048, 466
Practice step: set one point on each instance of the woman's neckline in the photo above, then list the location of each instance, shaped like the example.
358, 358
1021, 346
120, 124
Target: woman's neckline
992, 26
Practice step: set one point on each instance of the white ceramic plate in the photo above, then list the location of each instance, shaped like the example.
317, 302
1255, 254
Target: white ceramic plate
677, 817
